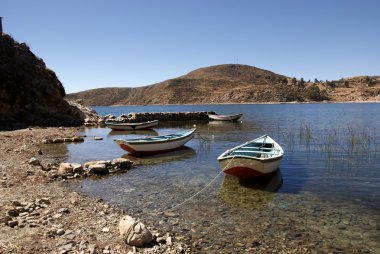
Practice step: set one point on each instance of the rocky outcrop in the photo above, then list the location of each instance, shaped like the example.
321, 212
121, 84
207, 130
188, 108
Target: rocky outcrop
168, 116
67, 170
62, 140
91, 117
161, 116
29, 92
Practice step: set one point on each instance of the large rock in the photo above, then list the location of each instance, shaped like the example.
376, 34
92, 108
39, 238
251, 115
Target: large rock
91, 116
134, 232
89, 163
34, 161
97, 167
70, 168
65, 168
122, 163
30, 93
77, 168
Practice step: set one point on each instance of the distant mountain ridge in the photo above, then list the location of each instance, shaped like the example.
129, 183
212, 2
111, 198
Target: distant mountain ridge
231, 83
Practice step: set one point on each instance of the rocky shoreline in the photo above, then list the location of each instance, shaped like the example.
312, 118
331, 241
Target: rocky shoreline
39, 213
94, 119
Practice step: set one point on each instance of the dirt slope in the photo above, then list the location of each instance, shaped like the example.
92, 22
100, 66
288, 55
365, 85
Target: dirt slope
231, 83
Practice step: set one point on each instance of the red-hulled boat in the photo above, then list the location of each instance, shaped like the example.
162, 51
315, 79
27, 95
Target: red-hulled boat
252, 159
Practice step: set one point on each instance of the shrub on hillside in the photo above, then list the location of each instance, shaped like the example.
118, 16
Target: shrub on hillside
314, 93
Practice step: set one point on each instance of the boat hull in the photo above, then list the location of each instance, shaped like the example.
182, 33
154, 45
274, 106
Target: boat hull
146, 153
225, 117
132, 126
246, 168
154, 147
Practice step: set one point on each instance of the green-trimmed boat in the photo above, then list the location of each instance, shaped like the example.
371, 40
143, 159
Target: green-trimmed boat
252, 159
156, 144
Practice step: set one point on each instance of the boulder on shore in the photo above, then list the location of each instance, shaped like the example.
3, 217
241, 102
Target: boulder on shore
98, 168
121, 164
94, 167
134, 232
65, 168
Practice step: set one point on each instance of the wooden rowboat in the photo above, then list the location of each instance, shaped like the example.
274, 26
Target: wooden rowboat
131, 126
157, 144
252, 159
225, 117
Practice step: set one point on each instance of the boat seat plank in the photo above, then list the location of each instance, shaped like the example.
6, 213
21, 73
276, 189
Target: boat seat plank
261, 148
257, 152
153, 139
259, 145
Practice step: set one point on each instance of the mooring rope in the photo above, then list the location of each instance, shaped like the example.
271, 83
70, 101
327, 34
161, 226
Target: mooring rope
204, 138
199, 192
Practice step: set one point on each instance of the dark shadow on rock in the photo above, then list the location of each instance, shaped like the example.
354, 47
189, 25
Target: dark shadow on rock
31, 93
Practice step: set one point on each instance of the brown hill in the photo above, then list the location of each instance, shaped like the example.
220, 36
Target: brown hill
229, 83
233, 73
29, 92
360, 88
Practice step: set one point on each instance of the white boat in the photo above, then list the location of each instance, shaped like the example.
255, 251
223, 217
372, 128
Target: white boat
131, 126
252, 159
225, 117
157, 144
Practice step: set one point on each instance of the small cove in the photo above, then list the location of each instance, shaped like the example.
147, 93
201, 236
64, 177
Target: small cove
325, 196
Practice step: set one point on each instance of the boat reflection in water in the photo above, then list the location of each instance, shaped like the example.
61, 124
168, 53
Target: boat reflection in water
181, 153
229, 126
149, 132
254, 193
224, 123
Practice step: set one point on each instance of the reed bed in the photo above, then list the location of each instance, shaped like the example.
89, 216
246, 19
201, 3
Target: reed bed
345, 147
350, 141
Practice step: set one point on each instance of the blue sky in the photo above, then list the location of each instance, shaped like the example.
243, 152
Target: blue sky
91, 44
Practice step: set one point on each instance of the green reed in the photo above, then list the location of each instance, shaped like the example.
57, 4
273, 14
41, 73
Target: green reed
344, 147
305, 134
290, 138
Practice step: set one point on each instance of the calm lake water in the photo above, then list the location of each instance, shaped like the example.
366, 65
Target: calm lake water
325, 197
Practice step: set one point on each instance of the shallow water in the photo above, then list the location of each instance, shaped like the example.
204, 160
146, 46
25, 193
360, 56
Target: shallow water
326, 195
